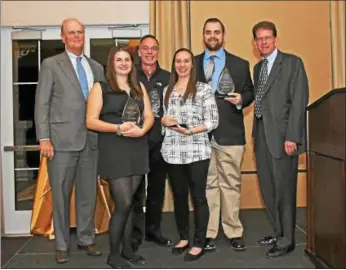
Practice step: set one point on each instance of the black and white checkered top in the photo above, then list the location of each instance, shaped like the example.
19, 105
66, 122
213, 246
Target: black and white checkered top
178, 148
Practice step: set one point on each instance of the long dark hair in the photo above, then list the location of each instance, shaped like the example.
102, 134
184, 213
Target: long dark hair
131, 78
191, 85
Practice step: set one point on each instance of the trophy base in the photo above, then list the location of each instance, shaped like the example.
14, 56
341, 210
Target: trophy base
181, 125
225, 96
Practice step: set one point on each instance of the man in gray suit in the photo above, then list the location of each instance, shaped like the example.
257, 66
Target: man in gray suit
281, 97
71, 149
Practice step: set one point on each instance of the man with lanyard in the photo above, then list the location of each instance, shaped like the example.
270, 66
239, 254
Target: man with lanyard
154, 79
214, 65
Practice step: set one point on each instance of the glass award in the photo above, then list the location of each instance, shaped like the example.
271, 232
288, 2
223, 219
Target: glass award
155, 101
225, 86
178, 112
131, 112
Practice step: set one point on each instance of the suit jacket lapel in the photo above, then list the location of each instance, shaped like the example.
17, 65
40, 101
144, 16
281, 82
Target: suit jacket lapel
256, 73
66, 66
92, 67
273, 73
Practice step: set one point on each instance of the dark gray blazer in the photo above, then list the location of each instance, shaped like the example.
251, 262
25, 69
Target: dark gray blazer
286, 96
60, 107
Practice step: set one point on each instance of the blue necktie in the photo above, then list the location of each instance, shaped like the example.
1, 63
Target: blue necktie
82, 77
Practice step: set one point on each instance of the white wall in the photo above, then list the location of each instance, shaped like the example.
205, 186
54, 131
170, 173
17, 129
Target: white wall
46, 13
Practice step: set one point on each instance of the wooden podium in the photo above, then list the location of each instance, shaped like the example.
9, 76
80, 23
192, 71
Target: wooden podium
326, 244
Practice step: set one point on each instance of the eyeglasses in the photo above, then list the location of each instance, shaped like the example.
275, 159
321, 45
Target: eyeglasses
154, 49
267, 38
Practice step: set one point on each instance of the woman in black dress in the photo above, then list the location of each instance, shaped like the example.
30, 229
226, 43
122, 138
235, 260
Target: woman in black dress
123, 147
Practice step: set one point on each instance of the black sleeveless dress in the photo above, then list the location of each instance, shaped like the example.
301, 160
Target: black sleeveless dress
120, 156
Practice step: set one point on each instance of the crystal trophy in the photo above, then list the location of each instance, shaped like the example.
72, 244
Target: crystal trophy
177, 113
131, 112
225, 86
155, 101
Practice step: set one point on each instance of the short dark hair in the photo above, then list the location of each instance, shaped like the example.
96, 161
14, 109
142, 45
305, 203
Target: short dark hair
149, 36
214, 20
267, 25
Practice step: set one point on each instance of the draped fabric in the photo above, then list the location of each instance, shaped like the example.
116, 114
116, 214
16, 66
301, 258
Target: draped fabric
169, 22
42, 215
337, 16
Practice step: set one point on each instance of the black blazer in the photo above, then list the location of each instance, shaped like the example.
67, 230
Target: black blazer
231, 129
286, 95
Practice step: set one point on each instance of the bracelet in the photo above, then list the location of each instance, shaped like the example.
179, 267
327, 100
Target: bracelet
119, 131
190, 132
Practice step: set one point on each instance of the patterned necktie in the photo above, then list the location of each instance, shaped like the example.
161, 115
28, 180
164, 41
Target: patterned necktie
260, 88
82, 77
209, 70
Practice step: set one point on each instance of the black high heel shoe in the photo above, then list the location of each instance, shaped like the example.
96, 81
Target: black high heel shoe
179, 250
191, 257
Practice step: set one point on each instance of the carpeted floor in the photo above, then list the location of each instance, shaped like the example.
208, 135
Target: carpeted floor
38, 251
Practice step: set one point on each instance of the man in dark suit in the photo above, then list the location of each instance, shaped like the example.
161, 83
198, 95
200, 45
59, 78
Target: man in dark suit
154, 79
228, 139
282, 93
70, 148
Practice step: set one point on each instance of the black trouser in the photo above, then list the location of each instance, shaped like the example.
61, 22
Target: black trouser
191, 177
120, 223
278, 183
155, 196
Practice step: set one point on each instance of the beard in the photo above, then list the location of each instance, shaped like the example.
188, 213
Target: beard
214, 47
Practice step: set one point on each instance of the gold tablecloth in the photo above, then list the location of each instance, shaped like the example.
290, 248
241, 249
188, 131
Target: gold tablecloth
42, 215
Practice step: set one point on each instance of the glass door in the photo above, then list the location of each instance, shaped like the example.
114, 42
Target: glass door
21, 158
23, 51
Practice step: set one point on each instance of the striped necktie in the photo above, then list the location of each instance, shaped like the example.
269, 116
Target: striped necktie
209, 70
260, 88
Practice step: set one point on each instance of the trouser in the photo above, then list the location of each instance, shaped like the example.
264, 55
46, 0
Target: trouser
156, 182
65, 170
223, 190
191, 177
278, 183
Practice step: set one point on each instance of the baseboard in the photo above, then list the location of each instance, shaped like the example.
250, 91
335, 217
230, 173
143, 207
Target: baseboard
317, 261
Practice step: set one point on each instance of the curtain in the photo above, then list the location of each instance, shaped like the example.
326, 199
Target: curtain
337, 17
169, 22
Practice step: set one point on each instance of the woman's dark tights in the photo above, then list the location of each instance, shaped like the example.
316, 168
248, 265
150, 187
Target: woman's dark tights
120, 224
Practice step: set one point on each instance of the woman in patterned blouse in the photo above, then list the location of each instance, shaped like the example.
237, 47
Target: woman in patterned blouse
190, 112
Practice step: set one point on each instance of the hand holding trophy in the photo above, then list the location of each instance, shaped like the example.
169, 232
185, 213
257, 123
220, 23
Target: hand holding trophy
132, 114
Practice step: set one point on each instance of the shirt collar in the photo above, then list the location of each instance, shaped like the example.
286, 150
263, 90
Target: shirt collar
219, 54
73, 56
272, 56
140, 69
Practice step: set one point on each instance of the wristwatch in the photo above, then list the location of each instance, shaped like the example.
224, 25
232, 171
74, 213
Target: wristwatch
190, 132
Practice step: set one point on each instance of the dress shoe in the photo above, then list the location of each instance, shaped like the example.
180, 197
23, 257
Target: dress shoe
159, 240
267, 240
237, 243
61, 256
116, 262
91, 250
275, 251
209, 244
135, 259
179, 250
191, 257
